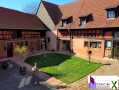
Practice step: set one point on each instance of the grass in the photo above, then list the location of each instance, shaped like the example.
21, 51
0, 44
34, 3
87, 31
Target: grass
65, 68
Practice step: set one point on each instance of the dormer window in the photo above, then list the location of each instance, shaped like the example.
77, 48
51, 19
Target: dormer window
111, 14
66, 21
85, 19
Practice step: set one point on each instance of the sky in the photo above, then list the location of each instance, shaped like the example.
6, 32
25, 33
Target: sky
28, 6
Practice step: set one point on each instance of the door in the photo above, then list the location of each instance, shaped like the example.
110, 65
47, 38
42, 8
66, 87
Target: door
43, 44
10, 49
116, 49
66, 45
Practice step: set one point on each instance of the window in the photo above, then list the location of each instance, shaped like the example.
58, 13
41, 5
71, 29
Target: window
86, 44
86, 19
116, 35
66, 21
95, 44
83, 21
16, 35
92, 44
108, 44
111, 14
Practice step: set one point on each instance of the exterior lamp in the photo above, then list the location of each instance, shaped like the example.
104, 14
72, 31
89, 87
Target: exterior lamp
89, 55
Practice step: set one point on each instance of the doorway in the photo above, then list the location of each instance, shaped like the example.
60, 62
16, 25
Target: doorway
66, 45
43, 44
116, 49
10, 49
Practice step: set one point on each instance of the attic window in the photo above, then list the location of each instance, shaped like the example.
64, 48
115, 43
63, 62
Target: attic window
85, 19
112, 12
66, 21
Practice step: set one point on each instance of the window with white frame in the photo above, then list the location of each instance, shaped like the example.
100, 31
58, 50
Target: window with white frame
111, 14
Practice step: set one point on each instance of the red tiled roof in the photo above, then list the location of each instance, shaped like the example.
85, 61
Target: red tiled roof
84, 7
11, 19
96, 7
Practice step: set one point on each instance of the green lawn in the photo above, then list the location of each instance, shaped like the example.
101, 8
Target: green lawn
63, 67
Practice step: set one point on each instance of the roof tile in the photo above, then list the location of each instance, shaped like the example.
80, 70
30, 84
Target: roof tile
11, 19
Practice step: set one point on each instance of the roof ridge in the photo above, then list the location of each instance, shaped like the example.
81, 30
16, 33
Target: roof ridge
17, 11
43, 1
